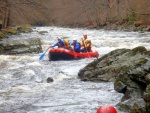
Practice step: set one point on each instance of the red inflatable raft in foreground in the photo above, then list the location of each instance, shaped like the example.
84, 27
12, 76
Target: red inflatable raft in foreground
65, 54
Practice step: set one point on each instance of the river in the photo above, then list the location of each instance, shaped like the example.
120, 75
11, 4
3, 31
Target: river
23, 85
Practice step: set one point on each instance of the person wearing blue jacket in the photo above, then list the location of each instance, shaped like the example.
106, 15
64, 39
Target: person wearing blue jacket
76, 45
60, 43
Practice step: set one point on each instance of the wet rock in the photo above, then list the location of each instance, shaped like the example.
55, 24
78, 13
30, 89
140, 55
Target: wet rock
2, 35
5, 33
105, 68
146, 96
120, 86
49, 80
130, 71
147, 77
139, 106
43, 32
148, 28
15, 46
133, 105
9, 31
24, 29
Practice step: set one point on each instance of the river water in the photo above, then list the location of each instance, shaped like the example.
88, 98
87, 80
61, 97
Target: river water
23, 85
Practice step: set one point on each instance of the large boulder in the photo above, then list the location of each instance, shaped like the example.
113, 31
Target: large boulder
130, 71
147, 98
105, 68
15, 46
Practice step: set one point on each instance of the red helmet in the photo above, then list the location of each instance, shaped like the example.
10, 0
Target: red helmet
106, 109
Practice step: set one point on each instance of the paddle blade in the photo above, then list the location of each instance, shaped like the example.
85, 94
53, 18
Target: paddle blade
42, 56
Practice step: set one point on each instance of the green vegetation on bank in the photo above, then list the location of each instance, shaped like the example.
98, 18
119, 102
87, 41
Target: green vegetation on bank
4, 33
131, 18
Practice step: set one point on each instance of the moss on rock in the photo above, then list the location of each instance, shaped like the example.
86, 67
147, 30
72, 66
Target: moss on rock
10, 31
2, 35
24, 28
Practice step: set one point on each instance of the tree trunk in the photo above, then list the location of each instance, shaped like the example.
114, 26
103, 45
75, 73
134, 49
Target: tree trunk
6, 17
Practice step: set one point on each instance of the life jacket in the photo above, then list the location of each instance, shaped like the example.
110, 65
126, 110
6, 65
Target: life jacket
74, 44
77, 46
88, 45
66, 43
86, 42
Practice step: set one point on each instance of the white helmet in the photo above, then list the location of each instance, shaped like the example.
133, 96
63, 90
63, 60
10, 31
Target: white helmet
74, 39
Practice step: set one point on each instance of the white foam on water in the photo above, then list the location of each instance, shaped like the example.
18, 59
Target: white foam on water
29, 72
14, 65
27, 57
34, 64
59, 77
6, 76
66, 94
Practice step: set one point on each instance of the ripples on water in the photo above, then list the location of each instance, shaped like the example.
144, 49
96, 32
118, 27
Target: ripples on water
23, 87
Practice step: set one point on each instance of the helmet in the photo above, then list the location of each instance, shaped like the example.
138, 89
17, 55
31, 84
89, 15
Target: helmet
106, 109
74, 39
57, 37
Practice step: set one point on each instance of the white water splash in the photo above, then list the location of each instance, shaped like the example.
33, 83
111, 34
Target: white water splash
23, 77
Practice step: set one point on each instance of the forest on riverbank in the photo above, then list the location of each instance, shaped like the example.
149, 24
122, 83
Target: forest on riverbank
107, 14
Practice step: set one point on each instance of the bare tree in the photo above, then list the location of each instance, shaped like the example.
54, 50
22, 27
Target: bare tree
7, 6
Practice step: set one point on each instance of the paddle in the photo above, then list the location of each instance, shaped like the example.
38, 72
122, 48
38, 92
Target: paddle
42, 56
75, 55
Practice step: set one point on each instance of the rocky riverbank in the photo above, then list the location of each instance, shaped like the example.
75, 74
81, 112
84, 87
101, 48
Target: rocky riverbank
15, 46
125, 27
130, 71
